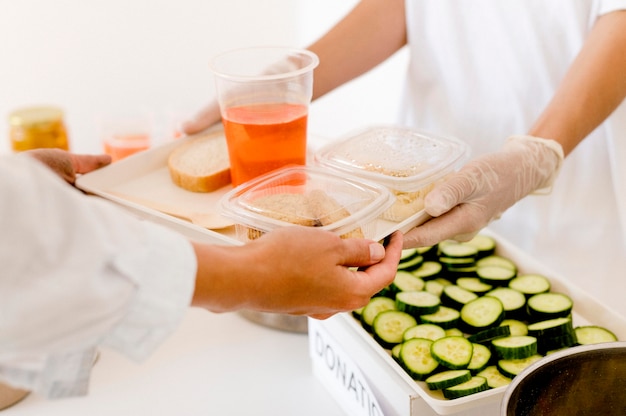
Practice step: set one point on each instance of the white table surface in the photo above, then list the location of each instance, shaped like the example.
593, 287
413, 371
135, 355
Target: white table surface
214, 364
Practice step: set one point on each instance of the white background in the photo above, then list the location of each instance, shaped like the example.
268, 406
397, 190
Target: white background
93, 57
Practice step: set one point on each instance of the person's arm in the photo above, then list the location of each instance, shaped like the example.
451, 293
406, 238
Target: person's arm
372, 32
487, 186
294, 270
593, 87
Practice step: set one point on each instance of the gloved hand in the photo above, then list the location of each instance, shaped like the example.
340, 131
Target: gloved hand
486, 187
207, 117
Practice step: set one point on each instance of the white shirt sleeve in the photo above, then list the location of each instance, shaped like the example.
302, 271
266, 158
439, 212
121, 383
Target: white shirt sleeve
78, 272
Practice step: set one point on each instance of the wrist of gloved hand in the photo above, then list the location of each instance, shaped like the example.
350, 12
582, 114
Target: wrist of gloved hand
486, 187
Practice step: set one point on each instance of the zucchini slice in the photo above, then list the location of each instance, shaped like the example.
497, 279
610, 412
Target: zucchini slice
388, 327
511, 368
494, 377
489, 334
428, 331
454, 352
373, 308
412, 263
481, 356
474, 284
485, 245
454, 249
405, 282
516, 326
550, 305
516, 347
551, 327
513, 301
593, 334
481, 313
428, 270
530, 284
417, 303
445, 317
447, 379
456, 297
495, 275
495, 260
416, 359
475, 385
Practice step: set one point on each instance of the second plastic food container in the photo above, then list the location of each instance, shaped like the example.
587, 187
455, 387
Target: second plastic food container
407, 161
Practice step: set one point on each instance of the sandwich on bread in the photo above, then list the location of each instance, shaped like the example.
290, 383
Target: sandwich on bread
201, 164
315, 209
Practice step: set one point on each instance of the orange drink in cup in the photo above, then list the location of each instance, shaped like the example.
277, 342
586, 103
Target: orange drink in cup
264, 96
125, 134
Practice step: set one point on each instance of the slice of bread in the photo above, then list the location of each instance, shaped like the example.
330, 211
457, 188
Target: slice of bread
201, 164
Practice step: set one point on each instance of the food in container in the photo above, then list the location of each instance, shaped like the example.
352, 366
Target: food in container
306, 196
409, 162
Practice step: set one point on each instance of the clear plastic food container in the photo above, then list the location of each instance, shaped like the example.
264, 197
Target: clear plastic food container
307, 196
408, 162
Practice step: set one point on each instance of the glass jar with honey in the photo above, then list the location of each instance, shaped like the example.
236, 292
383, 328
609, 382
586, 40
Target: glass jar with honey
37, 127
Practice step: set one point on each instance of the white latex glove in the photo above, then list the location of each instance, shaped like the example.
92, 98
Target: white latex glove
205, 118
486, 187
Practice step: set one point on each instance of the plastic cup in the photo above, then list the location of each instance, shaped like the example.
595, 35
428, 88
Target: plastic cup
125, 134
264, 95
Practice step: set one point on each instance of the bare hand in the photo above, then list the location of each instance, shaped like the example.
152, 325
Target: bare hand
67, 165
297, 270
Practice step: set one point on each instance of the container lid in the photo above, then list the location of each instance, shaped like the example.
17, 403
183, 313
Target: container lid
401, 158
31, 116
308, 196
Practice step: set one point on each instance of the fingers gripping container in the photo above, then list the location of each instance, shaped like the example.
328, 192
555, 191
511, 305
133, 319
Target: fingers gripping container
408, 162
306, 196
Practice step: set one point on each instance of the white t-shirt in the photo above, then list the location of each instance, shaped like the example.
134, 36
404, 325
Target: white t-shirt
76, 273
483, 70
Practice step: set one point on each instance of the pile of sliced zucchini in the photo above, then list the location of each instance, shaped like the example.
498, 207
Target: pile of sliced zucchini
461, 319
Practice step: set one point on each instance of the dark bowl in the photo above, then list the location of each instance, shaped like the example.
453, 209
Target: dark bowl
583, 380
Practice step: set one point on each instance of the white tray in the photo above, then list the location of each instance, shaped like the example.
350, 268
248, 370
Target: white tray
142, 183
396, 391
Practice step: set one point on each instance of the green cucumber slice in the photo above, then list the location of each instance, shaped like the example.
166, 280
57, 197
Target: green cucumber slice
516, 326
481, 356
388, 327
489, 334
550, 305
417, 303
428, 331
481, 313
495, 275
474, 284
447, 379
593, 334
445, 317
530, 284
551, 327
428, 270
456, 297
475, 385
513, 301
406, 281
494, 377
511, 368
416, 359
515, 347
373, 308
454, 352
